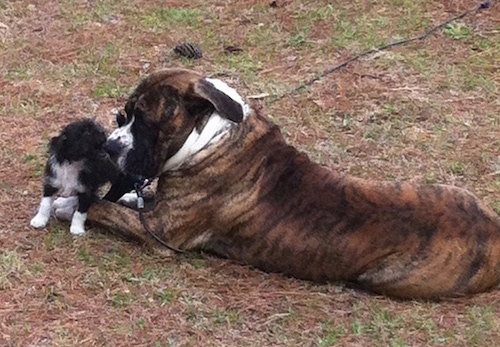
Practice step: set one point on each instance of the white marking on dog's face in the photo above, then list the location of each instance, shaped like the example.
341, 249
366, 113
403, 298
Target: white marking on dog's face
215, 128
124, 137
78, 223
66, 177
42, 217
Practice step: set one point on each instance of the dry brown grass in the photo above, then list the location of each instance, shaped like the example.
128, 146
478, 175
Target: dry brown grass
427, 112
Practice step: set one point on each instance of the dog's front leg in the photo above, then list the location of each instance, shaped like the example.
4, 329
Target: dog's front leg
80, 216
119, 219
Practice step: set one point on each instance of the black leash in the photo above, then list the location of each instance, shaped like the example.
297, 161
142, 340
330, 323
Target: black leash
308, 83
138, 187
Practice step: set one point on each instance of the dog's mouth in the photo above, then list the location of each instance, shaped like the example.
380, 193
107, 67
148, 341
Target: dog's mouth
121, 141
132, 147
115, 150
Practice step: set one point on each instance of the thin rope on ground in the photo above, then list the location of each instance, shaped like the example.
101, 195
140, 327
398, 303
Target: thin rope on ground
424, 36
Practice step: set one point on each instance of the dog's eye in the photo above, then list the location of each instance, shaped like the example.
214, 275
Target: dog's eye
120, 119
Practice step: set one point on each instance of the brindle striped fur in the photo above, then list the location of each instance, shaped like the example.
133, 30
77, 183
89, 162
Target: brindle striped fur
253, 198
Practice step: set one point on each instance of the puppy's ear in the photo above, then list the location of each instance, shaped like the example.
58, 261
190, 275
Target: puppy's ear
222, 102
85, 141
57, 142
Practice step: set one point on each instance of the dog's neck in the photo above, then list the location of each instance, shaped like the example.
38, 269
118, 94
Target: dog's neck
216, 127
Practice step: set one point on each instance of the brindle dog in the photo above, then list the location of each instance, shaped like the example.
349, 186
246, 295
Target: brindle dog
228, 183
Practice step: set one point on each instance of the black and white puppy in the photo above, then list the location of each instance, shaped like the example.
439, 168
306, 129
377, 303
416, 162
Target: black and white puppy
77, 166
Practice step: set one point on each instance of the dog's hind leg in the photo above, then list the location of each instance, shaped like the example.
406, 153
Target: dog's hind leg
63, 208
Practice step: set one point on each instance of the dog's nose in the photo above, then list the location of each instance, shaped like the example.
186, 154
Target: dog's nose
113, 148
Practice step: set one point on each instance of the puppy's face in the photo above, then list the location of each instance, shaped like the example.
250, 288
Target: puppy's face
164, 111
78, 140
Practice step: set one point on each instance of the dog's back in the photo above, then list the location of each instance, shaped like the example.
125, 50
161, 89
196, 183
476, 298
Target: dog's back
400, 239
247, 195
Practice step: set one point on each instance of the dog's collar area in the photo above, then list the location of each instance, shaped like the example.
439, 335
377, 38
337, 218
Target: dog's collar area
246, 110
139, 186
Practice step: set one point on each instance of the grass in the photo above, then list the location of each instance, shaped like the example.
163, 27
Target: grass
425, 112
11, 266
162, 18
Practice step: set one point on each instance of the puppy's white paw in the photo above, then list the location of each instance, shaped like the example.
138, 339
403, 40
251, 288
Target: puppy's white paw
42, 216
77, 227
129, 199
40, 220
76, 230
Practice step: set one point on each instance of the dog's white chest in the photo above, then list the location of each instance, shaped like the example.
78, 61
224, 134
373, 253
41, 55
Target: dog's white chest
66, 178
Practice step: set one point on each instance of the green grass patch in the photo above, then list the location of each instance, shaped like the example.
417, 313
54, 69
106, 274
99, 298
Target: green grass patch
120, 299
480, 321
109, 91
163, 17
11, 267
457, 167
457, 31
58, 235
166, 296
103, 61
225, 317
331, 334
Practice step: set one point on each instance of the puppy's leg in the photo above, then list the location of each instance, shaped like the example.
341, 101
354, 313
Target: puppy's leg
129, 200
63, 208
80, 216
123, 184
42, 217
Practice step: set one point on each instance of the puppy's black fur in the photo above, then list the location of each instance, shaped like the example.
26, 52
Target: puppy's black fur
84, 141
78, 165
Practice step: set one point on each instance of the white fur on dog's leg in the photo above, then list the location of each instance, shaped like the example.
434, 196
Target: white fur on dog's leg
63, 208
78, 223
70, 201
65, 213
42, 217
129, 199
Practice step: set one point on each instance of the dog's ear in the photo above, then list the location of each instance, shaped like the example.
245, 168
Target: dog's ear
57, 142
85, 142
222, 102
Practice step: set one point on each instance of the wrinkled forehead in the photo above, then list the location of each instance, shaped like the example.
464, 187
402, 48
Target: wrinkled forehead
153, 90
180, 79
171, 90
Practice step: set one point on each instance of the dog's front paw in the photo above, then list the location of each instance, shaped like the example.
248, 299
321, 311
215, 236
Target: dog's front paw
40, 220
129, 200
77, 227
76, 230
